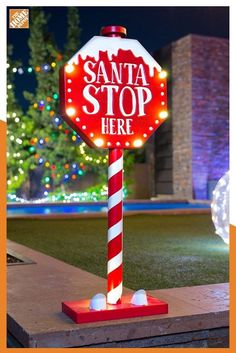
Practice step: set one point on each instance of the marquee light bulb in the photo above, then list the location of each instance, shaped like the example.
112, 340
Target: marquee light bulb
70, 111
163, 74
163, 114
138, 143
69, 68
99, 142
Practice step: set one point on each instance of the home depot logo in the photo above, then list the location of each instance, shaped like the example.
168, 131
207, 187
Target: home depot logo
19, 18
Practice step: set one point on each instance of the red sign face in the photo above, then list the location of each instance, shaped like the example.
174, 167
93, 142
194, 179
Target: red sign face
113, 93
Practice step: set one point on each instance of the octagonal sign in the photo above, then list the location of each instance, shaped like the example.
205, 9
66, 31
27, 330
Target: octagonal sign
113, 93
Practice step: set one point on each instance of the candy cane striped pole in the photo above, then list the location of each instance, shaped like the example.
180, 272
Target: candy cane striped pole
115, 226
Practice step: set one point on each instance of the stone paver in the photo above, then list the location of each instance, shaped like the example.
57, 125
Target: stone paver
35, 293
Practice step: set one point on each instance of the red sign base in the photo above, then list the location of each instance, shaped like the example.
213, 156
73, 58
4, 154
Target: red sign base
80, 313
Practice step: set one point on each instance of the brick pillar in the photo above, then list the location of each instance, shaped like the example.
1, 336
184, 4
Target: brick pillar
182, 118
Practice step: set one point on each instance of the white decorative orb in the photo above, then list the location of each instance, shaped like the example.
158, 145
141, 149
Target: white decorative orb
220, 208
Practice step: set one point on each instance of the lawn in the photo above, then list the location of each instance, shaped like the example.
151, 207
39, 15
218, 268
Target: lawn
159, 251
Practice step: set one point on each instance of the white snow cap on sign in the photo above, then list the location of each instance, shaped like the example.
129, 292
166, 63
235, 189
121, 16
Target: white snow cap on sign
112, 45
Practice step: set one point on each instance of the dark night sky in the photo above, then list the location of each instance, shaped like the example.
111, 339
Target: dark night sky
154, 27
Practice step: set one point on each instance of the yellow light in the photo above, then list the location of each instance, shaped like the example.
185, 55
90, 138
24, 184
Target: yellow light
35, 105
53, 64
163, 74
70, 111
47, 186
138, 143
47, 164
163, 114
69, 68
73, 138
99, 142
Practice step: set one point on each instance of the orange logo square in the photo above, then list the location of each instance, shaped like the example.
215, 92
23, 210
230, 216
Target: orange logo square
18, 18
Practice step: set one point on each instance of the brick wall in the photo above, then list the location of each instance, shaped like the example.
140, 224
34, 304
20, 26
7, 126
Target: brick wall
198, 128
210, 111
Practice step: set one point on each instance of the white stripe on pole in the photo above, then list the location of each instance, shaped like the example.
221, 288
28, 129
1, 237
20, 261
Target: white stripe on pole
115, 167
115, 262
115, 294
115, 230
115, 199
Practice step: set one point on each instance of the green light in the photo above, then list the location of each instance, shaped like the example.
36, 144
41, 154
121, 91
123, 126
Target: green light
48, 107
55, 95
32, 149
47, 179
30, 70
80, 172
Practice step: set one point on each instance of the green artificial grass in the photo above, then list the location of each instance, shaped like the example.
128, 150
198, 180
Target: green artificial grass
159, 251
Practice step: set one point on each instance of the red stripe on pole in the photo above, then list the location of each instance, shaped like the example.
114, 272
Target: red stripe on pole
115, 215
115, 245
115, 183
115, 277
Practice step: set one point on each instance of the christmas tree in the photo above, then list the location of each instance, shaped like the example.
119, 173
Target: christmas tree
18, 130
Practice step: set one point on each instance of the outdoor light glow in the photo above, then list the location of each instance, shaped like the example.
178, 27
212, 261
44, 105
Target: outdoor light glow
70, 111
20, 71
220, 208
69, 68
163, 74
138, 143
127, 144
99, 142
163, 114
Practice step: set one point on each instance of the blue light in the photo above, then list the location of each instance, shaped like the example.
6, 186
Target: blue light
40, 160
41, 141
46, 67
